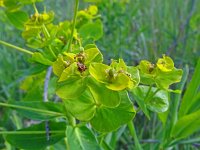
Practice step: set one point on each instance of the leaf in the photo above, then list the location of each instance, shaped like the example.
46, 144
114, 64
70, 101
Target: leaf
83, 107
93, 55
189, 99
92, 30
29, 1
103, 95
195, 105
93, 9
58, 66
34, 69
95, 1
62, 63
186, 125
121, 82
139, 96
147, 72
71, 88
165, 79
69, 72
38, 57
97, 70
81, 138
109, 119
118, 66
105, 74
17, 18
165, 64
158, 102
134, 75
57, 110
29, 140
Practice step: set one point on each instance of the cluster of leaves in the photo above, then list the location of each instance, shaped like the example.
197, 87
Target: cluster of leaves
91, 91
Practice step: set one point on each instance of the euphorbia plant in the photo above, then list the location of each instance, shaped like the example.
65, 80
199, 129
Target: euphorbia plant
95, 96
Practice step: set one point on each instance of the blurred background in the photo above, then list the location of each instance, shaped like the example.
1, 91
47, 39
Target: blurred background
133, 30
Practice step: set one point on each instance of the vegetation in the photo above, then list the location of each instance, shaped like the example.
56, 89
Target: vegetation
100, 77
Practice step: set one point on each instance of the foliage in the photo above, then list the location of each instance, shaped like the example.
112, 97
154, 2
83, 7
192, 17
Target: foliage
95, 96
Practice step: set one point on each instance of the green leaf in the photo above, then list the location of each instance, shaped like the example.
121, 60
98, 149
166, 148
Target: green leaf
147, 72
103, 95
81, 138
165, 79
44, 112
93, 55
118, 66
139, 96
37, 20
30, 138
94, 1
159, 103
189, 99
18, 18
62, 63
156, 101
57, 110
186, 125
38, 57
58, 66
71, 88
114, 79
92, 30
109, 119
83, 107
69, 72
165, 64
97, 70
29, 1
121, 82
134, 75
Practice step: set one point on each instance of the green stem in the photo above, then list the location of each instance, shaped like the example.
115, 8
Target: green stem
47, 36
29, 132
46, 32
149, 90
134, 135
32, 109
16, 47
73, 26
71, 119
35, 8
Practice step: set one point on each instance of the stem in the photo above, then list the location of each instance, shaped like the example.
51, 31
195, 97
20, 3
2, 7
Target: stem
35, 8
71, 119
32, 109
46, 32
147, 95
73, 26
29, 132
134, 135
16, 47
47, 36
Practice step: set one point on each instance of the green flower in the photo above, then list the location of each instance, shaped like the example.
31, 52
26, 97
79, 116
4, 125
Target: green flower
165, 64
115, 76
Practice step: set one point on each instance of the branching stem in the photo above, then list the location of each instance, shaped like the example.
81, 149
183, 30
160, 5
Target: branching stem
73, 26
16, 47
